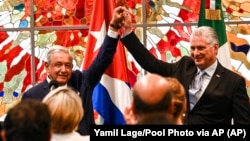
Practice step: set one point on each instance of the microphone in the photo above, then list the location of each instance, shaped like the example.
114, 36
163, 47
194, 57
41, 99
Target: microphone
53, 85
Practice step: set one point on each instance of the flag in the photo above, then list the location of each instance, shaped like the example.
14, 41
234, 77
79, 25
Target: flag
211, 15
113, 93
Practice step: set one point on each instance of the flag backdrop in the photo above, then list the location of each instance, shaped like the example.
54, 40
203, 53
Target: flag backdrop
113, 93
211, 15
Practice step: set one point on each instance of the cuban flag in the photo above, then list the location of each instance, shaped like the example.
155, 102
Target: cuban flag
113, 93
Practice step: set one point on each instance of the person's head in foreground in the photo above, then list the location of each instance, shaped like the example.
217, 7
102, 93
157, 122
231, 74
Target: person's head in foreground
152, 100
66, 109
29, 120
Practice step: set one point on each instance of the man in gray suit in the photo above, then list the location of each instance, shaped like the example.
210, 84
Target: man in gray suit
223, 94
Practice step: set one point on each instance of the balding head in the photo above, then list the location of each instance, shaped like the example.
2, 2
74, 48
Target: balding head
152, 94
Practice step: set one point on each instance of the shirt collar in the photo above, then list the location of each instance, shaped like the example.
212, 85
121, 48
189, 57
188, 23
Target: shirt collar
211, 69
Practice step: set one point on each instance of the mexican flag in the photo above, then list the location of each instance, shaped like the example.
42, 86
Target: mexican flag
211, 15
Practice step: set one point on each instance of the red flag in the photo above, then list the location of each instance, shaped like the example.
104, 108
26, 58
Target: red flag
101, 16
116, 77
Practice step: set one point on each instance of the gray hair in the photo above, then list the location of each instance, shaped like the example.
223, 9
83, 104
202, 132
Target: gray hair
55, 49
207, 32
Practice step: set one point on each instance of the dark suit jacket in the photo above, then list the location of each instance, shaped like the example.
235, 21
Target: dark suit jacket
224, 98
84, 82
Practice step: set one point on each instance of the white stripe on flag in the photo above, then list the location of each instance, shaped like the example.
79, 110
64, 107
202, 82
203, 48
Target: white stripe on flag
120, 93
212, 4
224, 56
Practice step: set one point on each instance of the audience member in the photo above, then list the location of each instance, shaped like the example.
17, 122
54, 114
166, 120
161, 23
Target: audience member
179, 100
152, 101
29, 120
59, 68
149, 87
66, 110
221, 97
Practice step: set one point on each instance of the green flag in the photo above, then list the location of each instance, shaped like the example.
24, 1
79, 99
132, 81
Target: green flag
211, 15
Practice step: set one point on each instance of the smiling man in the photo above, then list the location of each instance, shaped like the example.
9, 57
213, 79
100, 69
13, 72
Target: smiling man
59, 68
222, 96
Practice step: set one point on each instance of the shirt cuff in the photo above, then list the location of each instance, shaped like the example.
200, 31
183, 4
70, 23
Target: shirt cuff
112, 34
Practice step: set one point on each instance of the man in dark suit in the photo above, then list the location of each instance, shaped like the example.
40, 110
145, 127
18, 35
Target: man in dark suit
223, 94
59, 67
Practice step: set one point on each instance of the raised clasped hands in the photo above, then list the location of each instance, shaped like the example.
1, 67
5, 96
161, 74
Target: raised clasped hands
122, 19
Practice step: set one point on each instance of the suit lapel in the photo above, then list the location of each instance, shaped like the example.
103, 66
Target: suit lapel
45, 87
189, 77
214, 82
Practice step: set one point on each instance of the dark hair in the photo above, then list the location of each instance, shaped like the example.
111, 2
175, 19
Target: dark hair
29, 120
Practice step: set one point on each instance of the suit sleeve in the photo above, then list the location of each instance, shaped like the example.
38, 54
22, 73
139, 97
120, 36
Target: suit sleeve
147, 60
241, 106
102, 61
